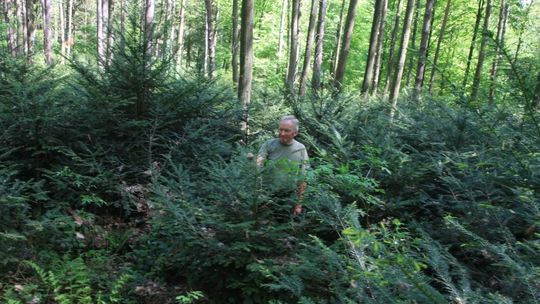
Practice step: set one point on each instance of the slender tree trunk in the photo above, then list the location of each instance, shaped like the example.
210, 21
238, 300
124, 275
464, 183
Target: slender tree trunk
413, 39
499, 44
379, 49
438, 48
391, 59
110, 38
62, 31
536, 97
31, 12
309, 45
181, 25
246, 61
473, 41
105, 17
10, 32
422, 54
317, 63
149, 30
122, 24
234, 42
210, 38
281, 31
69, 28
344, 53
396, 83
481, 52
23, 26
374, 35
521, 31
293, 49
339, 33
47, 50
100, 37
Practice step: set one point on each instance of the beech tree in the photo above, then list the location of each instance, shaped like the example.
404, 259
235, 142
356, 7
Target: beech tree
293, 46
439, 43
234, 42
46, 9
246, 57
422, 53
499, 44
339, 33
346, 44
281, 30
396, 83
481, 52
210, 33
379, 49
391, 59
477, 22
7, 10
317, 63
309, 44
373, 42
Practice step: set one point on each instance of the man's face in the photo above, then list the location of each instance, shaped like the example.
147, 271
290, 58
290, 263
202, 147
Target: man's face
287, 132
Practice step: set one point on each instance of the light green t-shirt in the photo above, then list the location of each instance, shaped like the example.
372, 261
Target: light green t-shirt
294, 155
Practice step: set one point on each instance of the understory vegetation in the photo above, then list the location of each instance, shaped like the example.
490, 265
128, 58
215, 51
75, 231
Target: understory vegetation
133, 185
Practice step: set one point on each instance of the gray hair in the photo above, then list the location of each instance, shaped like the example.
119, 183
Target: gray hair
292, 119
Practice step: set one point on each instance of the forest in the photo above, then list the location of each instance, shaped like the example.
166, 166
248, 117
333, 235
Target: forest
128, 131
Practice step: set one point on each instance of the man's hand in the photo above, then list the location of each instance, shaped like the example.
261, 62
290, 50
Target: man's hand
297, 209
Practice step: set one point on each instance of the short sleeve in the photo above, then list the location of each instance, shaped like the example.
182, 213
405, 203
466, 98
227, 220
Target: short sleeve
263, 151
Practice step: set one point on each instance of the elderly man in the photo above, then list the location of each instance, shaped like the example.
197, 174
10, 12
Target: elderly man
289, 152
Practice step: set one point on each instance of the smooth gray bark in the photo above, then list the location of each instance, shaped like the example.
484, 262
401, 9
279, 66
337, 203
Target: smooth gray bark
396, 83
344, 53
422, 53
309, 46
293, 46
481, 53
317, 63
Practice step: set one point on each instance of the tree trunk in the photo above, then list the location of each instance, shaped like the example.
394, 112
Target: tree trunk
105, 17
317, 63
481, 53
396, 83
379, 49
344, 53
31, 12
23, 27
413, 39
109, 28
46, 9
180, 34
246, 61
391, 59
521, 31
293, 49
536, 97
10, 32
234, 42
422, 53
309, 45
281, 31
100, 38
499, 44
122, 23
438, 48
149, 30
69, 28
339, 33
210, 38
473, 41
374, 35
